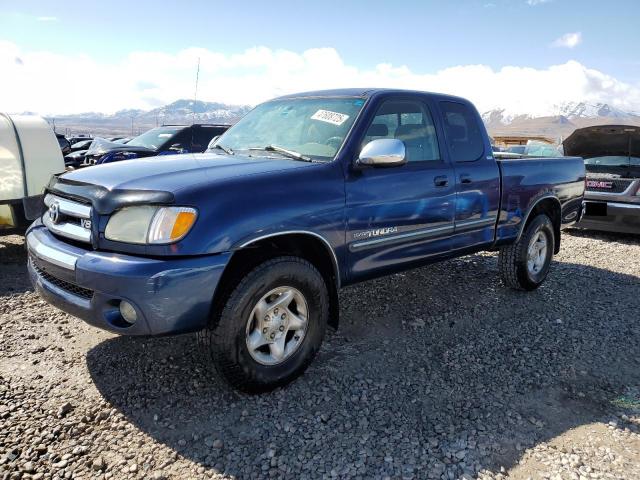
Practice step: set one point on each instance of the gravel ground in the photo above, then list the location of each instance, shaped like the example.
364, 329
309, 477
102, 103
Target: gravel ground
434, 373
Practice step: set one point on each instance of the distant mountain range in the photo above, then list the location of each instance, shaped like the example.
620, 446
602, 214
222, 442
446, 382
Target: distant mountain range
561, 121
135, 121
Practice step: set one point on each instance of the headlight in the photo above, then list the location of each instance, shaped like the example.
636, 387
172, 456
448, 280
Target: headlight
149, 224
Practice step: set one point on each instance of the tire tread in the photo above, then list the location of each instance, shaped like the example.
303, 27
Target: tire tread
510, 257
220, 333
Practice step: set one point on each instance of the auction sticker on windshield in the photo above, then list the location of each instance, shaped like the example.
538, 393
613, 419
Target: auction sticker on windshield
330, 117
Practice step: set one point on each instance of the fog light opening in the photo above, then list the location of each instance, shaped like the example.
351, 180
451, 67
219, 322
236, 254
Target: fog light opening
128, 312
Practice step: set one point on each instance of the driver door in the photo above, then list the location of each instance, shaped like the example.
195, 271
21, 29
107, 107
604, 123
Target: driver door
400, 215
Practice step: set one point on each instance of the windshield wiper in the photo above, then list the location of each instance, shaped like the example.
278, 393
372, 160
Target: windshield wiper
226, 150
287, 153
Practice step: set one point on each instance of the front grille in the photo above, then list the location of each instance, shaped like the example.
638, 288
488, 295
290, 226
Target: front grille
607, 185
72, 288
67, 218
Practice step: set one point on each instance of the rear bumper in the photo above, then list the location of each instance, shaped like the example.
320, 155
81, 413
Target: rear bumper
611, 216
169, 295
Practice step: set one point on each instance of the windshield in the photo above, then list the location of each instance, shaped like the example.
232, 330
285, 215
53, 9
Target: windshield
312, 127
82, 144
542, 149
100, 146
155, 138
517, 149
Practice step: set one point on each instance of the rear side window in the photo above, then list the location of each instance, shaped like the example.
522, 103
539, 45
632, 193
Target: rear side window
182, 139
203, 135
463, 133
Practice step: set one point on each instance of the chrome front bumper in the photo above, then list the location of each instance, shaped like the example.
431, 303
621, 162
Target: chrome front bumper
61, 255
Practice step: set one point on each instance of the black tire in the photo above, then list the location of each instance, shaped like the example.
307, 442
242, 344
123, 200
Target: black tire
513, 258
224, 339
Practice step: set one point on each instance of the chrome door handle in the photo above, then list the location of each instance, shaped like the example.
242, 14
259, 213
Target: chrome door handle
441, 181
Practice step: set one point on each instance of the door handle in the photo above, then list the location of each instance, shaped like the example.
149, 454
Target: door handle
441, 181
465, 178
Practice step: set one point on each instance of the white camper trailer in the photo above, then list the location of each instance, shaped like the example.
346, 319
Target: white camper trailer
29, 155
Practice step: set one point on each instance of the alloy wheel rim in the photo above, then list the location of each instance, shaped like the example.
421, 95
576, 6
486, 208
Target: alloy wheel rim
537, 253
277, 325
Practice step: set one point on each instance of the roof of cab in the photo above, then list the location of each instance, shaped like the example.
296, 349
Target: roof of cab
367, 93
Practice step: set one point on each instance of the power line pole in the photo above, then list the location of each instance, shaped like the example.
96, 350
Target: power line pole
195, 94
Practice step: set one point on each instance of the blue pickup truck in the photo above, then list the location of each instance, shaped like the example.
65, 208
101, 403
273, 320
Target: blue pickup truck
249, 242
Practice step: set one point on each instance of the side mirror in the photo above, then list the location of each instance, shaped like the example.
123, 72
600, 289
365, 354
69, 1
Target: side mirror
384, 152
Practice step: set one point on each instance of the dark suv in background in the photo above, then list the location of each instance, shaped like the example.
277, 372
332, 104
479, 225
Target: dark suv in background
167, 139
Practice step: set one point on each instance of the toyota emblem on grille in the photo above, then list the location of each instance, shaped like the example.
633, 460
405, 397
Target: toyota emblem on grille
54, 212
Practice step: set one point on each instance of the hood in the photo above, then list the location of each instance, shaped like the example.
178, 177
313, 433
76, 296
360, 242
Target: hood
100, 146
170, 173
603, 140
608, 150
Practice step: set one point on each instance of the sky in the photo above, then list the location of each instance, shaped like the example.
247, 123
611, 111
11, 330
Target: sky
525, 56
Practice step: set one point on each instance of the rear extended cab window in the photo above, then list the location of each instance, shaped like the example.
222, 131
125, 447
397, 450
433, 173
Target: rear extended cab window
462, 131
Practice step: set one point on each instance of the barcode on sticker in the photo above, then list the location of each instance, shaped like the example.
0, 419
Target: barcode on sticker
330, 117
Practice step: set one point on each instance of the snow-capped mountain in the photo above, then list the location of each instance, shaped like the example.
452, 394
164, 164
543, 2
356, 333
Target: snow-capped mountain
183, 110
558, 121
591, 110
502, 116
565, 113
135, 121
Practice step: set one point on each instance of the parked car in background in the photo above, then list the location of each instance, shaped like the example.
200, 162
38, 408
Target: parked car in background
29, 155
542, 149
612, 160
65, 145
535, 148
75, 159
306, 194
81, 145
167, 139
79, 138
517, 149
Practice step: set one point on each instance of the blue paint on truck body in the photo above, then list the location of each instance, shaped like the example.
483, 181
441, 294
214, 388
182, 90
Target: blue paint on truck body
371, 221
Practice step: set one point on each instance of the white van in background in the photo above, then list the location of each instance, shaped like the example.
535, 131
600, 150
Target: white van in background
29, 155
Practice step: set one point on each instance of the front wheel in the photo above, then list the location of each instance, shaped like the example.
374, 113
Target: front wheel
271, 326
524, 265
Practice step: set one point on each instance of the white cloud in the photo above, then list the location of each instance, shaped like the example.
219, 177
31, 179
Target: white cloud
568, 40
533, 3
47, 19
51, 83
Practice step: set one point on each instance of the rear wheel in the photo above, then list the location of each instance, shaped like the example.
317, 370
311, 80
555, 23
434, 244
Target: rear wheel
524, 265
271, 325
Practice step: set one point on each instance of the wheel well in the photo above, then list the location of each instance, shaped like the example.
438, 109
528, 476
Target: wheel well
551, 208
302, 245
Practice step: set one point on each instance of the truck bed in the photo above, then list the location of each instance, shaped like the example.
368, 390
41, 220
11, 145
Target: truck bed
528, 179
